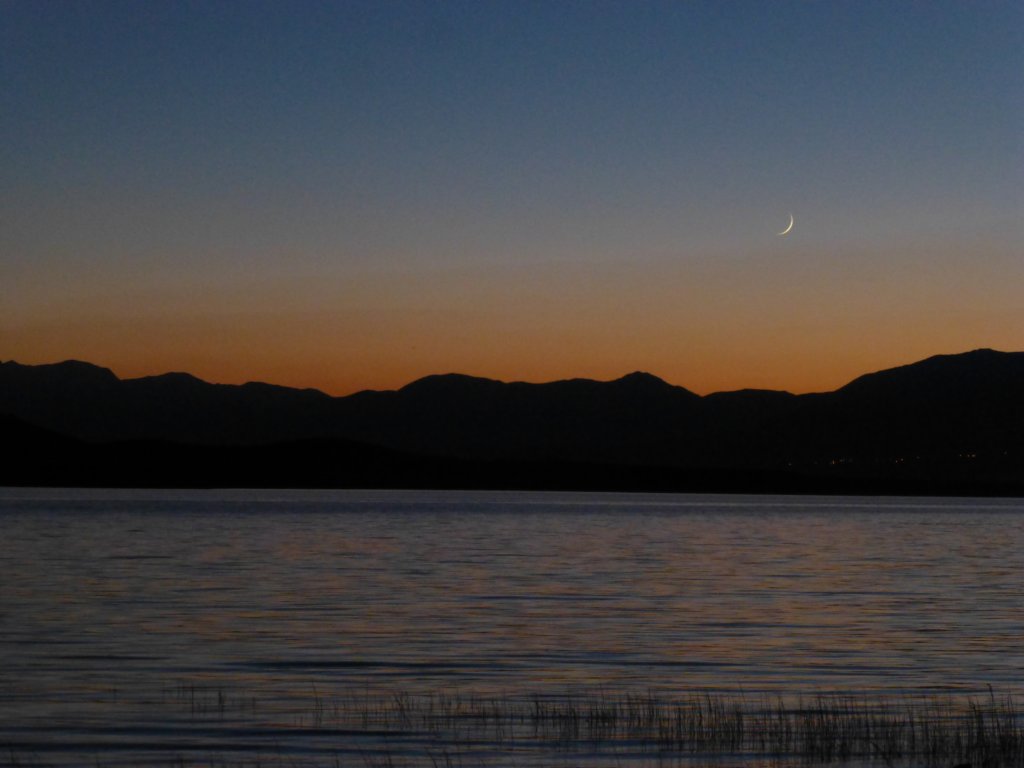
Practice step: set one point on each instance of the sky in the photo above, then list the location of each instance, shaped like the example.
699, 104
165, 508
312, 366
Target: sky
352, 195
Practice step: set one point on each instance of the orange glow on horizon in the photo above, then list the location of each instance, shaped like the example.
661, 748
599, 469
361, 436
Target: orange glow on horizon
785, 321
795, 371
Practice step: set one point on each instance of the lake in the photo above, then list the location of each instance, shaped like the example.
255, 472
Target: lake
327, 627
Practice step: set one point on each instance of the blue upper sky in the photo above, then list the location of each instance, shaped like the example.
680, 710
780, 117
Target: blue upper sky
361, 157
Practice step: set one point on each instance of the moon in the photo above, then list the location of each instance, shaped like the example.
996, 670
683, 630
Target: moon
786, 230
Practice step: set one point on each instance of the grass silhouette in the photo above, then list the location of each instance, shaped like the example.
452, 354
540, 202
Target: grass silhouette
402, 730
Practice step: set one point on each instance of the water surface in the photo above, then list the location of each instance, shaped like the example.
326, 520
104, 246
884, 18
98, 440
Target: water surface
142, 625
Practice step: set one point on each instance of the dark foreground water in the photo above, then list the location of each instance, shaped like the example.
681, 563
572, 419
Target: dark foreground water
321, 628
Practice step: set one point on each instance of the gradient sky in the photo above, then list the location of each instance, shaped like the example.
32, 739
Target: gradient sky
351, 195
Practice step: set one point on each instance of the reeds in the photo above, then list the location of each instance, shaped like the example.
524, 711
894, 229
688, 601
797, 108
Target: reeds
402, 729
921, 731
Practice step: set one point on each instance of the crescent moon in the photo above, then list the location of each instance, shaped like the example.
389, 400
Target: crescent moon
786, 230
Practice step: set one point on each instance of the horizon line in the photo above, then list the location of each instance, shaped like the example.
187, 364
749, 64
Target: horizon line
637, 372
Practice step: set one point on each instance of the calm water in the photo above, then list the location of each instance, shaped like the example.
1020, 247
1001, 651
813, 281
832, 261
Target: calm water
138, 627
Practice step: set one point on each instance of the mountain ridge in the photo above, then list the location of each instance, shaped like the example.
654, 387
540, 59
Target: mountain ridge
923, 418
105, 373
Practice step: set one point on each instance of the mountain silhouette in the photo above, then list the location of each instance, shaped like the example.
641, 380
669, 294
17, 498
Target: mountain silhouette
951, 423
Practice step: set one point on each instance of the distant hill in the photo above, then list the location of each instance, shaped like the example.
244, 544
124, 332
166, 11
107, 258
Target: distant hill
951, 423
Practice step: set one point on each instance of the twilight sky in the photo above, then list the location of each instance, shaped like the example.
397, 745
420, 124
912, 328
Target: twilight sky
351, 195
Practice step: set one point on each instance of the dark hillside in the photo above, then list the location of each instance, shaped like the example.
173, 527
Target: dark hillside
948, 421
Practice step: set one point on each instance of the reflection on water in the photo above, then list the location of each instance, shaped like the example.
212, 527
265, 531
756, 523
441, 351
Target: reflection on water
196, 620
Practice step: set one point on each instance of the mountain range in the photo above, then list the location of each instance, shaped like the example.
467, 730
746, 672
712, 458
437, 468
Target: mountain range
947, 424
